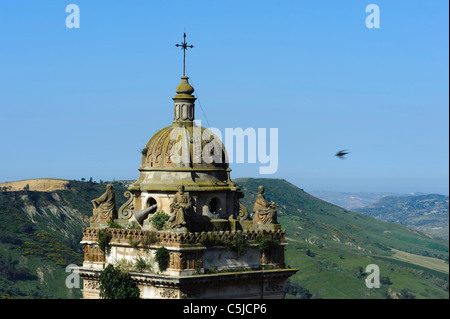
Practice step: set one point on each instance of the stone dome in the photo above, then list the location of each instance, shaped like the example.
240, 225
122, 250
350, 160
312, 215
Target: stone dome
184, 146
184, 153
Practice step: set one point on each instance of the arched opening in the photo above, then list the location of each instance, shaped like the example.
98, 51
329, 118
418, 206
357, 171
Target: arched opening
151, 201
213, 206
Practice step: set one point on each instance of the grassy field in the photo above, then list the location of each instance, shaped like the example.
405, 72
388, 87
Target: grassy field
427, 262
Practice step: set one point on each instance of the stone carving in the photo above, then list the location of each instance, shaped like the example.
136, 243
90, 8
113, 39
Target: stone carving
168, 293
92, 284
180, 206
243, 212
239, 209
104, 206
263, 211
172, 239
93, 253
191, 293
126, 210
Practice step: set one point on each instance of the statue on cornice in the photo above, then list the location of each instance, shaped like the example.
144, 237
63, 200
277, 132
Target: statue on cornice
104, 207
179, 208
263, 211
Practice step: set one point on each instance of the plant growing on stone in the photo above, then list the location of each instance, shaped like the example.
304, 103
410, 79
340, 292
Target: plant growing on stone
149, 239
239, 245
103, 239
115, 284
159, 219
265, 243
142, 264
162, 257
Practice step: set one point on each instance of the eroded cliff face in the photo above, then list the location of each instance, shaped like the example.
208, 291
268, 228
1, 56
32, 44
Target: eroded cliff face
40, 234
50, 212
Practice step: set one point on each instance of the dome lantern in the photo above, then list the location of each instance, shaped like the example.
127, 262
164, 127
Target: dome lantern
184, 102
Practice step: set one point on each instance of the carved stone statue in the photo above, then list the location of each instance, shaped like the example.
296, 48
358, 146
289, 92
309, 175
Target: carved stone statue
104, 206
179, 208
263, 211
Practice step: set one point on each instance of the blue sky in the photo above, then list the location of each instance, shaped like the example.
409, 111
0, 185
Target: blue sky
83, 102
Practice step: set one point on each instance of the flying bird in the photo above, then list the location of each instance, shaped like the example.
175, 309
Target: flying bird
341, 154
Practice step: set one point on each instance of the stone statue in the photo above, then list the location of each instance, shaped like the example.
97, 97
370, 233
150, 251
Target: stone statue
179, 208
263, 211
104, 206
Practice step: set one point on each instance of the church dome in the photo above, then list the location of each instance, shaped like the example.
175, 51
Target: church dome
184, 146
184, 153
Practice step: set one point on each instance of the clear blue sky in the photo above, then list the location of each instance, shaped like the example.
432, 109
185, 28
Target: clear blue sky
82, 102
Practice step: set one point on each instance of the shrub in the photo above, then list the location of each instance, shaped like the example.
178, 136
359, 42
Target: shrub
159, 219
149, 239
309, 253
265, 243
142, 264
103, 239
385, 280
296, 290
162, 257
115, 284
239, 245
113, 224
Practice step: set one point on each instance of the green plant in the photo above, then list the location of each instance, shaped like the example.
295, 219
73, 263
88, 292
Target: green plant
113, 224
162, 257
239, 245
159, 219
115, 284
142, 264
209, 240
265, 243
103, 239
124, 265
149, 239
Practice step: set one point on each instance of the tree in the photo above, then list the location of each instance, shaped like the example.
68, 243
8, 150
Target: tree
385, 280
296, 290
405, 294
115, 284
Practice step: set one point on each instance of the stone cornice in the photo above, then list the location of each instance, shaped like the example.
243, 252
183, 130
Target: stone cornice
172, 239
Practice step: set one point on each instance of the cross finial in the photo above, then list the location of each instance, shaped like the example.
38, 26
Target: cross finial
184, 46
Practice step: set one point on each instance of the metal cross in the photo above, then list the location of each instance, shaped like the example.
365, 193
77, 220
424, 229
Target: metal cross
184, 46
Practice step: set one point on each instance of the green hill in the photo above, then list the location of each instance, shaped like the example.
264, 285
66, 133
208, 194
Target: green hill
332, 246
40, 234
426, 213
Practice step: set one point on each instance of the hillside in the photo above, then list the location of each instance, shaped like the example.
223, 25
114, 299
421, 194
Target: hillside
426, 213
350, 200
37, 185
332, 246
39, 236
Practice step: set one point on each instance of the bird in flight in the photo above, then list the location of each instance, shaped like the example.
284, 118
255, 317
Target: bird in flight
341, 154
